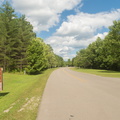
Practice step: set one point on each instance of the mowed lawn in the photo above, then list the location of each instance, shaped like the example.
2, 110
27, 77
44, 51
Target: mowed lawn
22, 95
104, 73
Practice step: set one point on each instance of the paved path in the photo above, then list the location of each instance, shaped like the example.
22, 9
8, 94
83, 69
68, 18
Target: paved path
71, 95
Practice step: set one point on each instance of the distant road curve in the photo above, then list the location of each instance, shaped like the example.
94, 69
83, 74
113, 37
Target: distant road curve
71, 95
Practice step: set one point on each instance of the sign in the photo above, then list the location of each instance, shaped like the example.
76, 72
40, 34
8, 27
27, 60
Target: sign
1, 79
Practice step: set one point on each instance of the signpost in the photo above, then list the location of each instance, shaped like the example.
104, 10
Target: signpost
1, 79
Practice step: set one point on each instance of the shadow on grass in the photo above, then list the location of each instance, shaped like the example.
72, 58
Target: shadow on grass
2, 94
108, 71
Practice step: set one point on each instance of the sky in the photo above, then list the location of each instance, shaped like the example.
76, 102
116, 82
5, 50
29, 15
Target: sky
69, 25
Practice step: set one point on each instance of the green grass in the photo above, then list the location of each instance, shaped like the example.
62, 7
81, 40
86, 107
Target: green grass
22, 95
104, 73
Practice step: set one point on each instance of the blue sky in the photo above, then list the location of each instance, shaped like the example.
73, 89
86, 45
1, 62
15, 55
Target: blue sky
69, 25
100, 5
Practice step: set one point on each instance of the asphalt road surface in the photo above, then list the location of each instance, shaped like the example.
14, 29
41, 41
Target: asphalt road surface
71, 95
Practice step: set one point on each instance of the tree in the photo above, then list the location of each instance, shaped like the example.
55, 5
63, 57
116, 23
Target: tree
16, 34
8, 22
103, 54
94, 51
60, 61
25, 35
111, 51
35, 57
69, 63
50, 56
19, 47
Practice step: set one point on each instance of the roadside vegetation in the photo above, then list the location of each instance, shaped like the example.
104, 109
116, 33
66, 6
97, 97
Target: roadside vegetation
103, 53
104, 73
22, 52
20, 49
22, 95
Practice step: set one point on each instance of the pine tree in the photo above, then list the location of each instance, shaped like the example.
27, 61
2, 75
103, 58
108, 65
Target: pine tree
8, 34
25, 35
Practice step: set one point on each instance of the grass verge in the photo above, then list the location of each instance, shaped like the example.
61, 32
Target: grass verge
104, 73
22, 95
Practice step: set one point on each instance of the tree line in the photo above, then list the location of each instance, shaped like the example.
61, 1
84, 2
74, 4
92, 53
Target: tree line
20, 49
103, 53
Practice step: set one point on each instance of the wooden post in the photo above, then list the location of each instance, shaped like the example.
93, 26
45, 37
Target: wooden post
1, 79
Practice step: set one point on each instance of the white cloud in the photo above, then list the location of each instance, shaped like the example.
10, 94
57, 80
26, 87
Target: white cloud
43, 14
66, 46
80, 30
83, 23
77, 32
60, 45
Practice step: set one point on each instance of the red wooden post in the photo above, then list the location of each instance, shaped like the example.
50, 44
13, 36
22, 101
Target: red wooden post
1, 79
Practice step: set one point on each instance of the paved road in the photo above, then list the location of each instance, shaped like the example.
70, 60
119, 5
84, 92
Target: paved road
71, 95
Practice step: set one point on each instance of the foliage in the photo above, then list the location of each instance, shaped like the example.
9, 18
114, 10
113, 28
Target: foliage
15, 35
60, 61
20, 50
69, 63
36, 58
40, 56
102, 54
